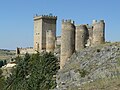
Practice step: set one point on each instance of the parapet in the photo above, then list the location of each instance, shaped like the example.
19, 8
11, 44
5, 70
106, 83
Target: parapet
68, 21
37, 17
95, 21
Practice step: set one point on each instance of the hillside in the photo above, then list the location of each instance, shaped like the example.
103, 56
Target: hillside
6, 54
93, 68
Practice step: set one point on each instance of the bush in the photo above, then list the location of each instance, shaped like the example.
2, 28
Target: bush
83, 72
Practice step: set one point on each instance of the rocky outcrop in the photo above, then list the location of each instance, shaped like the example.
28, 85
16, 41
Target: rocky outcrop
89, 65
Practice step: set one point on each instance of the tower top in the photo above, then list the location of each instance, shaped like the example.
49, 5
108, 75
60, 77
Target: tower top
68, 21
99, 21
37, 17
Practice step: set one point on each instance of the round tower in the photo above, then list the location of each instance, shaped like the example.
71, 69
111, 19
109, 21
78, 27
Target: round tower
98, 32
81, 37
50, 41
67, 41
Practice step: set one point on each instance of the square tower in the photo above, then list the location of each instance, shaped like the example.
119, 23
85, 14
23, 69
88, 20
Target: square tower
41, 25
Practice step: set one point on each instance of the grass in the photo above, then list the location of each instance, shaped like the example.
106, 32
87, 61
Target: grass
103, 84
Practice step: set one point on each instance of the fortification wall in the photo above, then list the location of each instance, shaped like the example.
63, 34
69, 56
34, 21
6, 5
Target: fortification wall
98, 33
23, 51
67, 41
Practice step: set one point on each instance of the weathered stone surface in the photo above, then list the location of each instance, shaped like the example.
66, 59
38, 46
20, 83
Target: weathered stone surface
89, 65
67, 41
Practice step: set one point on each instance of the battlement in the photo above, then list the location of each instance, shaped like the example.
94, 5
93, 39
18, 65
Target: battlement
99, 21
37, 17
68, 21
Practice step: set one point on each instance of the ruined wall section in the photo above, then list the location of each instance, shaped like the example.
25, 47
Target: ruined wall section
67, 41
23, 51
81, 37
98, 32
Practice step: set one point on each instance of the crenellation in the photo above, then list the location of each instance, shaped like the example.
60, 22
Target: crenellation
68, 21
44, 17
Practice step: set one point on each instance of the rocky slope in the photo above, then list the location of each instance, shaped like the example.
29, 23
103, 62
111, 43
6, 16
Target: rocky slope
93, 68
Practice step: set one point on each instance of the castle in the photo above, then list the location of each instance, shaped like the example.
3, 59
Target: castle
73, 37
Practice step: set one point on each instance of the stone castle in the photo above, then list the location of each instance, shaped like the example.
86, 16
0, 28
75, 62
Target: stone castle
73, 37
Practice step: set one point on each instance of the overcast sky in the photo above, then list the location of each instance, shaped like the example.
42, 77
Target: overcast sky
16, 18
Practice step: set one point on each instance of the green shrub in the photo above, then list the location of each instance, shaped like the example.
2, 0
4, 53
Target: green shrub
34, 72
83, 72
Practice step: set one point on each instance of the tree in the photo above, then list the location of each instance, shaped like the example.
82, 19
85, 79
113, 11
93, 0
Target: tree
34, 72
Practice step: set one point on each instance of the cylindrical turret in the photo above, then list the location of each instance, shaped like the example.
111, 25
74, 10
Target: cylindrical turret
81, 37
50, 41
67, 41
98, 33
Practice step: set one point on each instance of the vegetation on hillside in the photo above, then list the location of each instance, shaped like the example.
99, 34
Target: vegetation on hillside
2, 80
34, 72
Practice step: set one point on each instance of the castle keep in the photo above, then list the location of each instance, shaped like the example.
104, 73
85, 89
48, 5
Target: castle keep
44, 32
44, 35
73, 37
